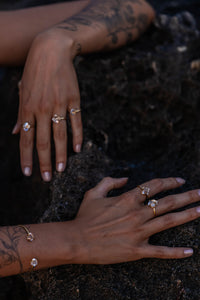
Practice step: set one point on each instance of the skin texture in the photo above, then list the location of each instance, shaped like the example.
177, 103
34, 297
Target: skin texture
106, 230
49, 83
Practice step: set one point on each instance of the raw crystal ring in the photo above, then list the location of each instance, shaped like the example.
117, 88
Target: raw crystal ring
144, 190
26, 126
56, 119
30, 237
153, 203
74, 111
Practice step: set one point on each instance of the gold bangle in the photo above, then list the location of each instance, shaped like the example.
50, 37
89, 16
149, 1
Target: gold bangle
30, 237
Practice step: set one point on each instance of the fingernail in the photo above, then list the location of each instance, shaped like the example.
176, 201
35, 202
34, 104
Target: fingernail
27, 171
14, 129
199, 192
198, 209
46, 176
60, 167
180, 180
78, 148
188, 252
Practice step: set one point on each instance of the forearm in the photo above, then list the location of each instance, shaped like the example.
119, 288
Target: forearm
105, 25
54, 244
19, 28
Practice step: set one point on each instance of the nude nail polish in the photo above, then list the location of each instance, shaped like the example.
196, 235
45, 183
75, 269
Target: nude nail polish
27, 171
78, 148
60, 167
188, 252
46, 176
180, 180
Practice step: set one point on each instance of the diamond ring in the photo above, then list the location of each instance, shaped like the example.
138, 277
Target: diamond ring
144, 190
26, 126
74, 111
153, 203
56, 119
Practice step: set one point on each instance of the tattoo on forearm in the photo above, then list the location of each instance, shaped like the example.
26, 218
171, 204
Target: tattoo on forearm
116, 15
9, 241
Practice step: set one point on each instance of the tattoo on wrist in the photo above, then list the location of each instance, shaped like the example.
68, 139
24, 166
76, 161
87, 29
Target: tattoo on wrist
9, 241
116, 15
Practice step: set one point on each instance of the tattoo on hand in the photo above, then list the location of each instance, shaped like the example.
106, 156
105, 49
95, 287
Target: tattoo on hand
116, 15
9, 240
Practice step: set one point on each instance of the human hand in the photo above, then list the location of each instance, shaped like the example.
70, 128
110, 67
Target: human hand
117, 229
48, 87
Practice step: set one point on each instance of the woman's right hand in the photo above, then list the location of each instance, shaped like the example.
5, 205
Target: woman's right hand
117, 229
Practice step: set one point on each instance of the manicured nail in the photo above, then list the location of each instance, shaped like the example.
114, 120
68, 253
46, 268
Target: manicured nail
78, 148
199, 192
46, 176
60, 167
15, 129
188, 252
198, 209
27, 171
180, 180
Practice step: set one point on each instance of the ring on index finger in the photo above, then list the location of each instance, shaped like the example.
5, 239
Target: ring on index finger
144, 190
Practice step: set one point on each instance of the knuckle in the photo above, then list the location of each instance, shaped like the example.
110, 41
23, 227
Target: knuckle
43, 145
192, 213
27, 107
192, 195
26, 143
169, 220
171, 203
60, 134
107, 180
159, 183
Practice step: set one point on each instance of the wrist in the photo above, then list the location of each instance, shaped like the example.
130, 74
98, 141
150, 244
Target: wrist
55, 38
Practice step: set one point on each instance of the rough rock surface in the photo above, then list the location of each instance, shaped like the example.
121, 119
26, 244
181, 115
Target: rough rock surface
140, 108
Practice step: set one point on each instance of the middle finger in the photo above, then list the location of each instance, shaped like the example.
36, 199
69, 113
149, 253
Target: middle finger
44, 146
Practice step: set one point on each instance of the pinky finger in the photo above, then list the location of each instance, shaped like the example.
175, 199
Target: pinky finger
167, 252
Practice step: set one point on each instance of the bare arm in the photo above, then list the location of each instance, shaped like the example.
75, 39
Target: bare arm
105, 230
105, 25
101, 25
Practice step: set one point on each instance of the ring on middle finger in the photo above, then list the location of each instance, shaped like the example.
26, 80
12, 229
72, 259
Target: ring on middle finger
56, 119
144, 190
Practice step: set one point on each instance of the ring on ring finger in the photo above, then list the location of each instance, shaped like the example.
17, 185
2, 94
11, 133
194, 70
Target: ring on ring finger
152, 204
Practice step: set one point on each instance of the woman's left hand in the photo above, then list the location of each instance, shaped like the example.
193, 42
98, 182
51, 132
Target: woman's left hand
48, 87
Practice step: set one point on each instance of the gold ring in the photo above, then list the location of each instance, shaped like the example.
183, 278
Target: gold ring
144, 190
153, 203
74, 111
56, 119
26, 126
